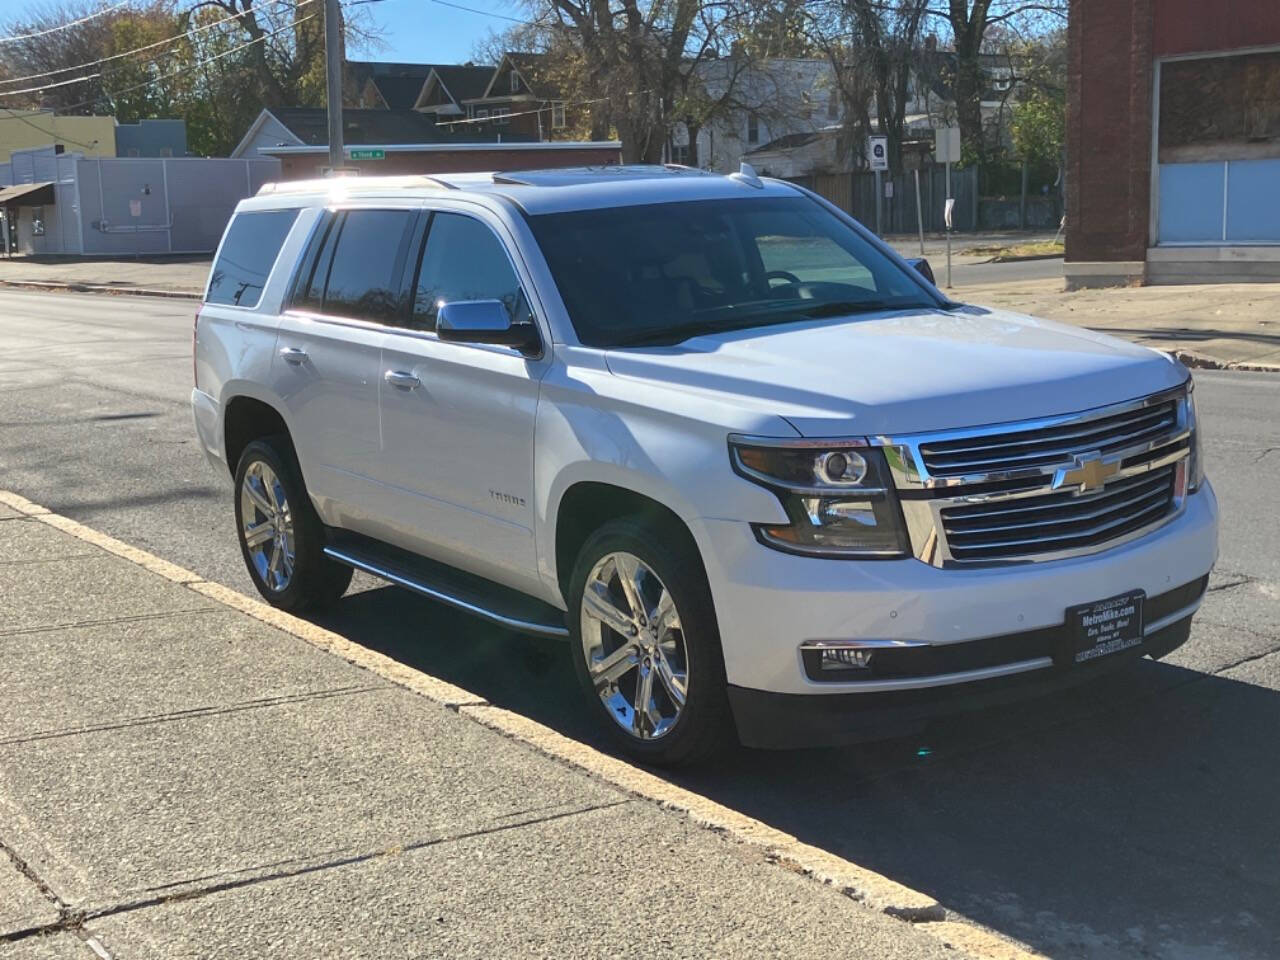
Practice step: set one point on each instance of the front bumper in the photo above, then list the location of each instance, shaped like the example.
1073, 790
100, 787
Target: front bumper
775, 721
769, 603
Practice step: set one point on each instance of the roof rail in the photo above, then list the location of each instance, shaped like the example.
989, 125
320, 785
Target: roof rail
317, 185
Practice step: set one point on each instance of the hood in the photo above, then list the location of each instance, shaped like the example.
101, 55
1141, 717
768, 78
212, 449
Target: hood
906, 372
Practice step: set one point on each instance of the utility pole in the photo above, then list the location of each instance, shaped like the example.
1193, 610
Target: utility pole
333, 73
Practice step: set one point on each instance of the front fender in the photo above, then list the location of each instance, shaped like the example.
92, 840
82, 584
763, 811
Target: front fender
657, 450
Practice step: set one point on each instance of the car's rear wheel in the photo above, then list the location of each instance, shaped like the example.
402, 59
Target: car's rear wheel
645, 643
281, 537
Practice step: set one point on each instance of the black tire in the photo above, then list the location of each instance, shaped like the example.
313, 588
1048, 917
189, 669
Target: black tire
704, 725
316, 580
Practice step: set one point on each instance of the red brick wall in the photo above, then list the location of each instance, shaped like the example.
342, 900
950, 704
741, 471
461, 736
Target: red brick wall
295, 167
1193, 26
1113, 47
1109, 96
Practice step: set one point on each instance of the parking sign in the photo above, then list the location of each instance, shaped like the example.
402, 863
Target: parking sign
878, 152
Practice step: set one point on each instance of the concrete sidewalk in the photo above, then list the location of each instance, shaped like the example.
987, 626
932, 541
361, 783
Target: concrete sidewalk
179, 779
1224, 325
180, 277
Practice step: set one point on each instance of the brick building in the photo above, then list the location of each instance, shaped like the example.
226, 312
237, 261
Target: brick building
1173, 141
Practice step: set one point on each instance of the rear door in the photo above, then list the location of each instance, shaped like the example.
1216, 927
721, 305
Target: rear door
458, 419
328, 354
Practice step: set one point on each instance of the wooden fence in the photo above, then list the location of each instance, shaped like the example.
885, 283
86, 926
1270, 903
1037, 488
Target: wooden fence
855, 193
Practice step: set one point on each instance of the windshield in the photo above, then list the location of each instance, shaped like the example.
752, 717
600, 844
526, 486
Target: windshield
661, 273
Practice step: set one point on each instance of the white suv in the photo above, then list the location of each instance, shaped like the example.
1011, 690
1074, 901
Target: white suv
760, 473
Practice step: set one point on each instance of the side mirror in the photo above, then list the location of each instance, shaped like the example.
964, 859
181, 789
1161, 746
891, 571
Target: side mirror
922, 267
485, 321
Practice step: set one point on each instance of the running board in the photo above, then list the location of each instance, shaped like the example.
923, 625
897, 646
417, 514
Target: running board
472, 594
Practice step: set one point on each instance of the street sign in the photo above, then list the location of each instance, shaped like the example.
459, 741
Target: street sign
946, 145
368, 154
888, 189
878, 153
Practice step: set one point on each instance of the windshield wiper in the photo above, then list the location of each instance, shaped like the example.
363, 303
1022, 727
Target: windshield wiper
670, 336
837, 308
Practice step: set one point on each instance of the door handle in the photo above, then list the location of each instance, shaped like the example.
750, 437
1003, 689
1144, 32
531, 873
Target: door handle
402, 379
294, 355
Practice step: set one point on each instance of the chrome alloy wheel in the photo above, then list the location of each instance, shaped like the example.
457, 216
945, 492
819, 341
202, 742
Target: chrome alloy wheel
267, 525
634, 646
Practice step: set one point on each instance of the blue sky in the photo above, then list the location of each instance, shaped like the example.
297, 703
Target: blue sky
428, 32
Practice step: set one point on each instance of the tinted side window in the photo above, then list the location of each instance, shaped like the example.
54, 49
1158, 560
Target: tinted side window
308, 293
247, 255
464, 260
364, 279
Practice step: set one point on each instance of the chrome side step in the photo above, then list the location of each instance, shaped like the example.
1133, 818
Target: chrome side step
474, 595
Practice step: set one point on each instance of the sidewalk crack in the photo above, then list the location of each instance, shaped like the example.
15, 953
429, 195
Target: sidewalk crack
108, 621
351, 860
193, 713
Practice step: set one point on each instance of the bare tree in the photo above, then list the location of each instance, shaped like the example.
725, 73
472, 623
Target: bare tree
872, 46
969, 21
640, 61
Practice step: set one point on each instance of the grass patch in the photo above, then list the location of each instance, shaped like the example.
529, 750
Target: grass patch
1017, 251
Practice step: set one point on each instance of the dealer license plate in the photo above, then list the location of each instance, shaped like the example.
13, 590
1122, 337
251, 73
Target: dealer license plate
1106, 627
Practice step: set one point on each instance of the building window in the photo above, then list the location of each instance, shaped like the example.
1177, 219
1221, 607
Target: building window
680, 154
557, 115
753, 129
482, 114
502, 115
833, 107
515, 82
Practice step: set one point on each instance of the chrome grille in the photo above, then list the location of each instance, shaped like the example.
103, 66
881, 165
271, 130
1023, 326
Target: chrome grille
1010, 529
1044, 489
1020, 449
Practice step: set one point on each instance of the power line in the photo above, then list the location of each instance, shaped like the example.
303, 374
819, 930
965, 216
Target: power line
50, 86
485, 13
150, 46
114, 94
63, 26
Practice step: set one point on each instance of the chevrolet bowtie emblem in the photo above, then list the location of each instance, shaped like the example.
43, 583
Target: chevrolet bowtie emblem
1089, 473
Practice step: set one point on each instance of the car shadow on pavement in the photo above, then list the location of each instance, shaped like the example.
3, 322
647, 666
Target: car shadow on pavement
1133, 816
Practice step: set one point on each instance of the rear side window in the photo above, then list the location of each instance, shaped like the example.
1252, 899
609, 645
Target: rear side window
247, 255
464, 260
308, 291
368, 258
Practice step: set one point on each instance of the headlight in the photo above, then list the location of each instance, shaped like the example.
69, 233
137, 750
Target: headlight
838, 495
1195, 463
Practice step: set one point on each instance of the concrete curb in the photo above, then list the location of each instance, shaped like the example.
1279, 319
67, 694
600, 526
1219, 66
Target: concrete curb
872, 889
1034, 256
62, 286
1190, 359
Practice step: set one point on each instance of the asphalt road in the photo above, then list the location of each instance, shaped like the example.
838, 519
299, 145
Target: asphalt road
1134, 818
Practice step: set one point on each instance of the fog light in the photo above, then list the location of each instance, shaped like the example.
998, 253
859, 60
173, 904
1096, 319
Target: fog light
845, 658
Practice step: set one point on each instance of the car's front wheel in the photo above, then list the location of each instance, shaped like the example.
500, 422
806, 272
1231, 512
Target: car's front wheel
281, 537
645, 642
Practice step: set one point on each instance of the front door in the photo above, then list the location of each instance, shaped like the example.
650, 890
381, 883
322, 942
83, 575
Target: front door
458, 419
328, 356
